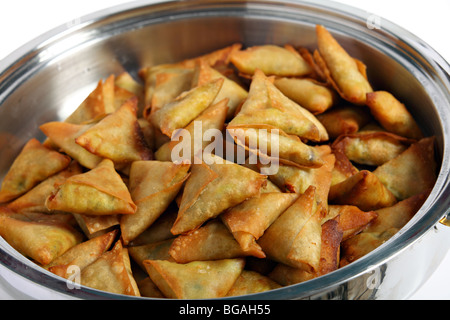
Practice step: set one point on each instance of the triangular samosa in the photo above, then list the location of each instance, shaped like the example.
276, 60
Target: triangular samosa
151, 251
230, 90
352, 220
111, 272
266, 104
42, 240
388, 222
33, 164
97, 104
81, 255
100, 191
185, 108
250, 282
63, 135
153, 186
213, 241
411, 172
275, 146
211, 189
329, 258
163, 85
195, 280
294, 238
248, 221
117, 137
295, 179
212, 118
363, 190
93, 226
126, 87
34, 200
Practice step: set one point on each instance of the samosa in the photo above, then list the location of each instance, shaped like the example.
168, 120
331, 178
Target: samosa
41, 239
272, 60
185, 108
33, 164
294, 238
195, 280
346, 74
213, 188
100, 191
267, 105
153, 186
111, 272
118, 136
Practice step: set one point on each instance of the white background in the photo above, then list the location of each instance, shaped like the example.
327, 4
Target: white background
23, 20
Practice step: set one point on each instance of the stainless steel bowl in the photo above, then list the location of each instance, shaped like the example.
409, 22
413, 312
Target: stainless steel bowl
47, 78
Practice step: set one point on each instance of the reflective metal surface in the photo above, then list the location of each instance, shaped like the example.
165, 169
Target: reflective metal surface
47, 78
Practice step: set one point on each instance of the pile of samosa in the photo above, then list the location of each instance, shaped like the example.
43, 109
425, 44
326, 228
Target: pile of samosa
101, 196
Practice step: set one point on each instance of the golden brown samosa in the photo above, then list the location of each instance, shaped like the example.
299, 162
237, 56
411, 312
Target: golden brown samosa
309, 94
274, 146
248, 221
95, 225
81, 255
411, 172
212, 241
63, 135
213, 188
33, 164
211, 118
352, 220
111, 272
294, 238
388, 222
344, 119
153, 186
34, 200
186, 107
363, 190
397, 215
100, 191
295, 179
158, 250
164, 84
118, 136
346, 74
393, 115
250, 282
195, 280
230, 90
371, 148
97, 104
267, 105
41, 239
329, 258
271, 59
330, 247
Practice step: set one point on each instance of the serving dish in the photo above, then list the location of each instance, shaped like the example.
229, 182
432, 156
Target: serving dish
68, 61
